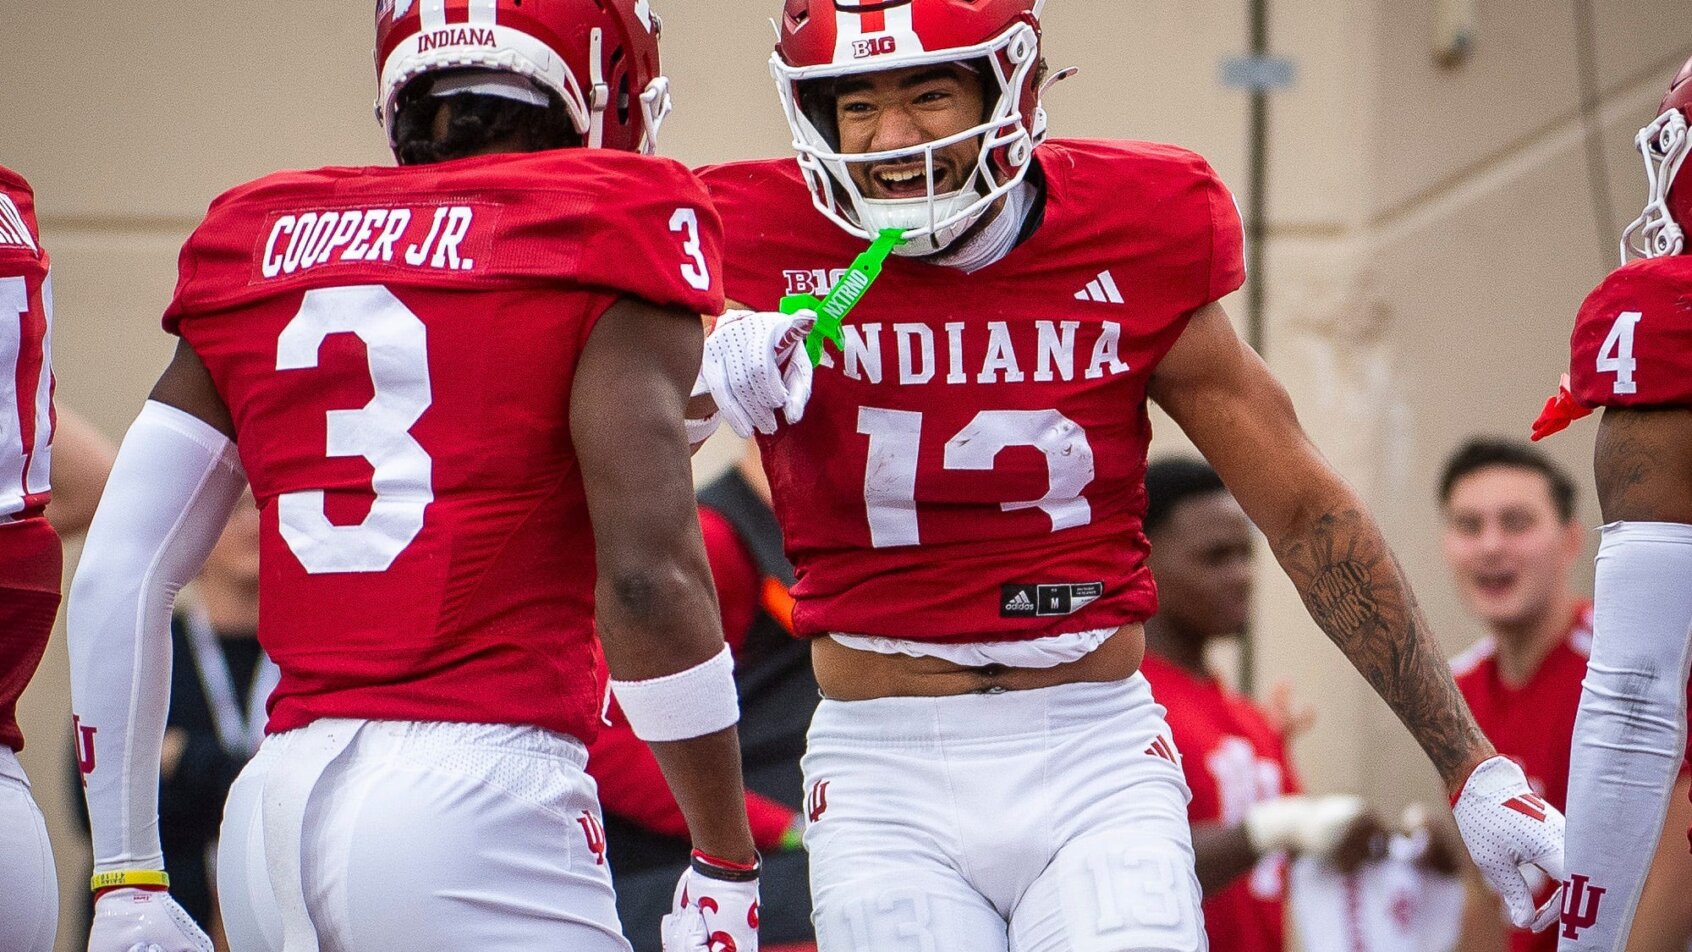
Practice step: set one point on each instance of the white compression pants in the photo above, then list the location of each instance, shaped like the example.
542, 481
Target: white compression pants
29, 915
395, 836
1630, 734
1028, 821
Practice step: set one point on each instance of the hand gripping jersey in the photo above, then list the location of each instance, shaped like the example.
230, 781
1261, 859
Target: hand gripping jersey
1232, 759
971, 464
29, 549
1632, 343
396, 347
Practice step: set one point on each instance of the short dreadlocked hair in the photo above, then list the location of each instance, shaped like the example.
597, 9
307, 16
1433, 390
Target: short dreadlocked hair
474, 120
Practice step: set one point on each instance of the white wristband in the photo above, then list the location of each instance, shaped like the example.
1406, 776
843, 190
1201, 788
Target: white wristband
692, 703
698, 431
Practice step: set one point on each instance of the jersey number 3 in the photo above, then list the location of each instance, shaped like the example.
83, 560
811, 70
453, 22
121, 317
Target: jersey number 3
403, 479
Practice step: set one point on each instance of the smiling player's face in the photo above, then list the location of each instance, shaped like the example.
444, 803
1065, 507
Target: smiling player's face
1508, 548
902, 109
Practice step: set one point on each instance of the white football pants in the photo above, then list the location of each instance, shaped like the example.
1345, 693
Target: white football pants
1027, 821
29, 915
397, 836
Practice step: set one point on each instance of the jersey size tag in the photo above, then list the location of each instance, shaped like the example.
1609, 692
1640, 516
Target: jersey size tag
1037, 601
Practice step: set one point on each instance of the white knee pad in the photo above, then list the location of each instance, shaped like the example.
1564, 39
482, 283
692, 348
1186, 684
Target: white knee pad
1630, 734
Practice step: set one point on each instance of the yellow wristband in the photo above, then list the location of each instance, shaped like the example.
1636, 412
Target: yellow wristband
129, 877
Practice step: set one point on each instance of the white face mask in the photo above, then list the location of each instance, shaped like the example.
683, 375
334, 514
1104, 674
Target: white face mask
1665, 144
933, 221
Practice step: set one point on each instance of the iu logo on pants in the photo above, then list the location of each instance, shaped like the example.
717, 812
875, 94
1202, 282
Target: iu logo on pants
594, 832
1580, 905
817, 802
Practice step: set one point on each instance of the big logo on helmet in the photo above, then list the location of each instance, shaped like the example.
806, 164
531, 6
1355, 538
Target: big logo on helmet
874, 46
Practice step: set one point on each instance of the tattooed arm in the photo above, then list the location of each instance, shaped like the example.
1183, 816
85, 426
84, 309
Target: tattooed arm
1223, 396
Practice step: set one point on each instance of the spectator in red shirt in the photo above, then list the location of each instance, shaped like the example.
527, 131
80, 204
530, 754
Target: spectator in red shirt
1247, 811
646, 837
1511, 537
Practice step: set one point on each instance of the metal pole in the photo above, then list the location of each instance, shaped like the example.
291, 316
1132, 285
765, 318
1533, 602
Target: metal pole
1256, 234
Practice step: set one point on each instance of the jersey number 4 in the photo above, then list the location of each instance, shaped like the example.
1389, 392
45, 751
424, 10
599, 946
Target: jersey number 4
403, 474
1616, 356
895, 438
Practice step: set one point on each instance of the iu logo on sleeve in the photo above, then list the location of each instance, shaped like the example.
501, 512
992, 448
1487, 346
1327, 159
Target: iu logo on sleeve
1580, 905
84, 747
594, 832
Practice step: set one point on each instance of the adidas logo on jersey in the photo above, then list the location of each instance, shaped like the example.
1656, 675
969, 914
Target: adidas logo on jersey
1020, 602
1101, 290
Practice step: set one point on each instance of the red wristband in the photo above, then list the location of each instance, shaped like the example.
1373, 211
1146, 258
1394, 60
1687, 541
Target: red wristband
715, 867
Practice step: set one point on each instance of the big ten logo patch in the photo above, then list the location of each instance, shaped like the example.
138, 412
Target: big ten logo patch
594, 832
874, 46
815, 281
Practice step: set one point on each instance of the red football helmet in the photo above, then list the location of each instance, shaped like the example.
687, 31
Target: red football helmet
831, 38
600, 57
1661, 229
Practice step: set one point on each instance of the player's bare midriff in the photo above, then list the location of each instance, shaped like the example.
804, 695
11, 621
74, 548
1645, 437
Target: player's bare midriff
848, 674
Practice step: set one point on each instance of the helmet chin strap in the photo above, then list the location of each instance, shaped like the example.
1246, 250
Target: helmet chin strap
599, 94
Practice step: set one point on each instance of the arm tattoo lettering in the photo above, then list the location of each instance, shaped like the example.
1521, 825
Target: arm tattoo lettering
1357, 593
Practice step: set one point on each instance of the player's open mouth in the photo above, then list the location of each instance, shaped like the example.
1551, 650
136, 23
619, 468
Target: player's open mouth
906, 180
1495, 583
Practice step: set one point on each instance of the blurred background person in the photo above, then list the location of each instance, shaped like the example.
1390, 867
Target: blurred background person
647, 841
82, 459
1247, 811
1511, 538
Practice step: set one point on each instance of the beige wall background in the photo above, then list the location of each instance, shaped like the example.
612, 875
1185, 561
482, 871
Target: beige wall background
1431, 227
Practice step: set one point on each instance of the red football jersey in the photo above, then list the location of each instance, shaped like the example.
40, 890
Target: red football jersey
1632, 343
1232, 759
1532, 723
29, 549
971, 464
397, 347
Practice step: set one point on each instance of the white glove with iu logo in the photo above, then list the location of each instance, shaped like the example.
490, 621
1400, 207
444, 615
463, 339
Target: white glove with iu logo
1506, 826
754, 365
715, 910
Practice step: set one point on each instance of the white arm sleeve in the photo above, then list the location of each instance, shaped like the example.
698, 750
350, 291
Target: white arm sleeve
1630, 734
171, 491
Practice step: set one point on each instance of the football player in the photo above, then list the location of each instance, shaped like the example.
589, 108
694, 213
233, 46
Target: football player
457, 389
30, 557
962, 494
1631, 353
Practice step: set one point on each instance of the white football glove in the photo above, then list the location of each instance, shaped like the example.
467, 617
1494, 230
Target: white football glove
1307, 825
1506, 826
711, 914
142, 920
755, 364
